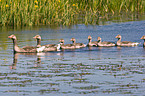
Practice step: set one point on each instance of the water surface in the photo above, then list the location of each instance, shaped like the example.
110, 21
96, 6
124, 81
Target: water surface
88, 71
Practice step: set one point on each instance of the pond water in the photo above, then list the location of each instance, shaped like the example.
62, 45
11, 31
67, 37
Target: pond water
91, 71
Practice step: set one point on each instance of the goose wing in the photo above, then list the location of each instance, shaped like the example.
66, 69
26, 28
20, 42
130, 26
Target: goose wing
50, 45
126, 42
28, 48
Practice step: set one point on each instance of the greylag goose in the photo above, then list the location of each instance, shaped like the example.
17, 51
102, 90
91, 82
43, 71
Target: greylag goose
94, 43
105, 43
143, 37
46, 48
66, 46
21, 50
125, 43
38, 38
77, 45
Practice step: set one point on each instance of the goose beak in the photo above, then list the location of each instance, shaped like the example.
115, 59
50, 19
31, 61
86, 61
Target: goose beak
142, 37
89, 38
9, 36
34, 37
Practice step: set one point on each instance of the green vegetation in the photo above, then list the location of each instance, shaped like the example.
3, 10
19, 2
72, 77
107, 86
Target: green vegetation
64, 12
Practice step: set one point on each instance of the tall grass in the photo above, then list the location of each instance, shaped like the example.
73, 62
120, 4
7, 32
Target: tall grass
63, 12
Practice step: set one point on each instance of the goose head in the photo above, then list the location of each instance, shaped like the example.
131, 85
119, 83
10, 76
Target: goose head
89, 37
118, 36
73, 40
12, 37
37, 37
99, 39
61, 41
143, 37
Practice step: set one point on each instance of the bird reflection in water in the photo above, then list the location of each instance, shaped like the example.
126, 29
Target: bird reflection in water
38, 60
15, 57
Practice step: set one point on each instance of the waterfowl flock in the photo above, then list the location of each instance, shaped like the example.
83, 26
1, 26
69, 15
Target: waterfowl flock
61, 46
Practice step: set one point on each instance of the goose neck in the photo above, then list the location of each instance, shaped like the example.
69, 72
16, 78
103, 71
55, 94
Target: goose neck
144, 43
119, 39
38, 41
99, 41
74, 42
15, 45
90, 40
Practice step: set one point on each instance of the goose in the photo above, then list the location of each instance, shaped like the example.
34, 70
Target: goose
45, 48
143, 37
77, 45
38, 38
125, 43
66, 46
25, 49
104, 43
94, 43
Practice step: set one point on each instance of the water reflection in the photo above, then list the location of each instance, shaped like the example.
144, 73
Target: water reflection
15, 57
30, 55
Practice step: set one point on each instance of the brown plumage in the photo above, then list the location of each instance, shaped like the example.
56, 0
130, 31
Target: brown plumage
91, 43
38, 38
125, 43
66, 46
45, 48
25, 49
77, 45
104, 43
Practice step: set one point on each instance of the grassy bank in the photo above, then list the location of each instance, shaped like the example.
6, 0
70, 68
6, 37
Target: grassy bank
64, 12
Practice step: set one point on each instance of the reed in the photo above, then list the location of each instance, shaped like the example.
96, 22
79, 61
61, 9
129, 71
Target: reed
64, 12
